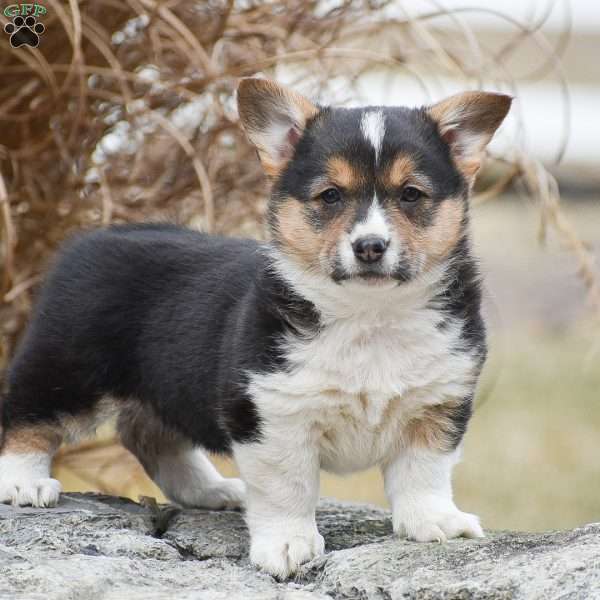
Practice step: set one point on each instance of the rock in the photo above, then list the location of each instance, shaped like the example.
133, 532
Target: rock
100, 547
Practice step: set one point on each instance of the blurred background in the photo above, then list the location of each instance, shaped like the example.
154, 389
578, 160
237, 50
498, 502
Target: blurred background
126, 112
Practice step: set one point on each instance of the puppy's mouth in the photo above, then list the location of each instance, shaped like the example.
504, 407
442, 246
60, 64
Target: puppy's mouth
372, 276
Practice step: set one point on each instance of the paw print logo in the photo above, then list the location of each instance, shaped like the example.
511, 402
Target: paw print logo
24, 31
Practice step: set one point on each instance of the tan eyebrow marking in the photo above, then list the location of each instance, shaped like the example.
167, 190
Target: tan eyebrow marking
402, 171
342, 173
402, 168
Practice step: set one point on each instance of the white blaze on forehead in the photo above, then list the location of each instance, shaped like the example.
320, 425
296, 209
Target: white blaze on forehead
375, 224
372, 126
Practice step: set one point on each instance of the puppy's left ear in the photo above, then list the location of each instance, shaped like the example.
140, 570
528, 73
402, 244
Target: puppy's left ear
467, 123
274, 118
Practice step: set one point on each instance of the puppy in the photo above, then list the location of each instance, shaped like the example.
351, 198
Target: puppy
353, 338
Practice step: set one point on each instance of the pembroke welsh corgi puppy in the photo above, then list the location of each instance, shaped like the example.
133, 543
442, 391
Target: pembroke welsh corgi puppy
352, 338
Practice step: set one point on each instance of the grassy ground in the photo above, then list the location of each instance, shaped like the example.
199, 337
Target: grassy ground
531, 456
531, 452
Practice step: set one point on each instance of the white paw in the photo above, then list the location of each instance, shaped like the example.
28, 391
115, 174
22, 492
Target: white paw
36, 492
219, 495
281, 551
227, 494
435, 522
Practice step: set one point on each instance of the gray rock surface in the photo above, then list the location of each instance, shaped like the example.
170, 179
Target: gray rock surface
104, 548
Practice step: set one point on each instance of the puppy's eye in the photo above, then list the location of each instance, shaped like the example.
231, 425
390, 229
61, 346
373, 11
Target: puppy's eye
330, 196
411, 194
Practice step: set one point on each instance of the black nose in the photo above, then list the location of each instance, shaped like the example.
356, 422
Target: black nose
369, 249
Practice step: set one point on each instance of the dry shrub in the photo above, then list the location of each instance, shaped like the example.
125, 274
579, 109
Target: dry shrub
125, 112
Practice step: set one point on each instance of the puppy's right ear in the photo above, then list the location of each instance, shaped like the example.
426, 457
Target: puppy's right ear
274, 118
467, 122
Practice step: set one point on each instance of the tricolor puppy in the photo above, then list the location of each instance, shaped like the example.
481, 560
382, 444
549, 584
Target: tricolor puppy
354, 338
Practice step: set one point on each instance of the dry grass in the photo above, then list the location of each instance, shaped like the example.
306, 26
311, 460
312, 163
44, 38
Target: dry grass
135, 71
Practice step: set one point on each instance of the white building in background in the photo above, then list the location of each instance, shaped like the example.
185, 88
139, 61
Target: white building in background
542, 103
544, 114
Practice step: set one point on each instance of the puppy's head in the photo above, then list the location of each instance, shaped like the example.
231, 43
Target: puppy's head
374, 194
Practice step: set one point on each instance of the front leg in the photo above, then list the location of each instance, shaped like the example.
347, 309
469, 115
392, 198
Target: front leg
281, 473
418, 479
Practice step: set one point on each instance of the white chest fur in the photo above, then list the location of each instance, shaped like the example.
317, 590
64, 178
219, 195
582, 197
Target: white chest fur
355, 385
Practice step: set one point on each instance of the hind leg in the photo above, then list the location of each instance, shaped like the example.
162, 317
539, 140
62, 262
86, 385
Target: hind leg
184, 473
187, 477
25, 461
48, 396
